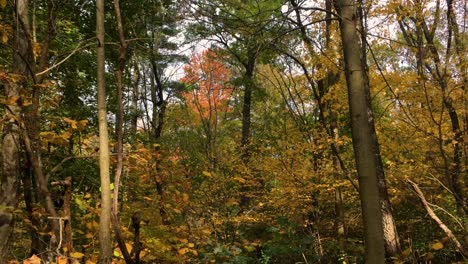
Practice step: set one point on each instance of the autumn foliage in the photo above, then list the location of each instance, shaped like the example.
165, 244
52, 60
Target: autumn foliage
208, 80
196, 185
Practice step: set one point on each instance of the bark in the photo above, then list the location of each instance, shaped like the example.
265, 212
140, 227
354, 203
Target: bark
246, 123
9, 179
35, 159
392, 242
159, 103
159, 113
136, 221
67, 227
119, 131
37, 245
246, 106
367, 158
460, 145
135, 95
104, 166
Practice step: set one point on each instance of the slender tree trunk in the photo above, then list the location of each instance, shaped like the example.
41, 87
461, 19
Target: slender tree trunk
159, 113
364, 138
135, 95
37, 244
104, 166
460, 48
119, 131
246, 107
10, 177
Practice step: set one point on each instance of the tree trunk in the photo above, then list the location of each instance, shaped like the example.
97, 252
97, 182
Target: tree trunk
363, 132
135, 95
105, 216
159, 113
37, 242
119, 131
246, 107
10, 177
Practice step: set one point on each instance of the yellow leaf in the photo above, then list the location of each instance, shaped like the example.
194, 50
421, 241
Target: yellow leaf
4, 38
250, 248
194, 252
183, 240
76, 255
206, 231
207, 174
177, 211
62, 260
129, 247
72, 122
406, 252
47, 134
66, 135
191, 245
183, 251
3, 3
185, 197
83, 123
437, 246
117, 253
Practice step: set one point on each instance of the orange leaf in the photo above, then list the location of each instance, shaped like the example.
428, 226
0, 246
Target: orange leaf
183, 251
62, 260
12, 100
32, 260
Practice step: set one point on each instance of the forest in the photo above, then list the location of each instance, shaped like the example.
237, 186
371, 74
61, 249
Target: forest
233, 131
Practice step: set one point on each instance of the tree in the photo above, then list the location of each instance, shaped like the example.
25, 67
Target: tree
104, 160
366, 151
10, 177
210, 91
441, 69
244, 30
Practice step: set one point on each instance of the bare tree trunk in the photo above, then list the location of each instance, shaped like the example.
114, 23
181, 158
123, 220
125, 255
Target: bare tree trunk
119, 131
135, 95
37, 243
246, 106
10, 177
392, 242
363, 131
104, 160
158, 122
